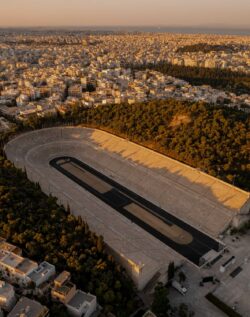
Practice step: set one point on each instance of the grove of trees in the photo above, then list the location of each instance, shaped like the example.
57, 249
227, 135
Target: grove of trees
206, 48
46, 231
161, 305
224, 79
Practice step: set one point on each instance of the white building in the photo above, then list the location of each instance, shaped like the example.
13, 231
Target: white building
15, 268
63, 289
42, 273
81, 304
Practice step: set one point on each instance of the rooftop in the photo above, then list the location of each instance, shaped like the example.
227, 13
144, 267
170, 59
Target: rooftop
5, 289
28, 308
64, 289
80, 298
62, 277
12, 260
10, 247
26, 266
43, 269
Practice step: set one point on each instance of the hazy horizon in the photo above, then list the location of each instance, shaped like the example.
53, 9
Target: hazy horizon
131, 29
126, 13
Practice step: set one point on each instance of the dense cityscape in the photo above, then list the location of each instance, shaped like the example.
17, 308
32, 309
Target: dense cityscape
42, 75
124, 169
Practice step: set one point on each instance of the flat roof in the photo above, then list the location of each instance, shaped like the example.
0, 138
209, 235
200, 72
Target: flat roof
16, 262
62, 277
42, 269
12, 260
28, 306
4, 245
80, 298
26, 266
65, 288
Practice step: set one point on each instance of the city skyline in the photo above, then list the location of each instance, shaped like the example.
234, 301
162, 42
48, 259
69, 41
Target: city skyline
124, 158
224, 14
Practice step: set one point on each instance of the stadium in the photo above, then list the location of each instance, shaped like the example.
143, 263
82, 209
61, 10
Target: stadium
150, 209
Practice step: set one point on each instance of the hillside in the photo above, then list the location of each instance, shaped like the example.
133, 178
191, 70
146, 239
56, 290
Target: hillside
213, 139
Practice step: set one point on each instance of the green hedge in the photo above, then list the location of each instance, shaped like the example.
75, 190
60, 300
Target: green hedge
222, 306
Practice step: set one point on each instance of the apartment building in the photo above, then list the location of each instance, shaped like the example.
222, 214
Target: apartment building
44, 272
26, 307
63, 289
15, 268
78, 303
81, 304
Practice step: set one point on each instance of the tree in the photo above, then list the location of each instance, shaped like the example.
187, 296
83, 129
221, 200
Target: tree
100, 244
171, 271
57, 309
184, 311
46, 231
182, 277
68, 209
160, 304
